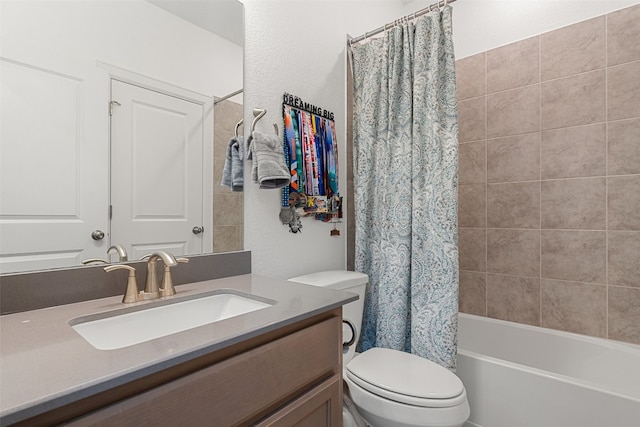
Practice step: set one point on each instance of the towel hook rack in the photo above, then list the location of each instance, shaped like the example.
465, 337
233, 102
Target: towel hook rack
238, 126
257, 113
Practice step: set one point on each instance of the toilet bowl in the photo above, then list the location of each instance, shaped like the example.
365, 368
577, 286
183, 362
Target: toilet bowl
391, 388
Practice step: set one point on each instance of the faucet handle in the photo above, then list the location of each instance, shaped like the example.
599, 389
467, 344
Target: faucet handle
131, 294
167, 288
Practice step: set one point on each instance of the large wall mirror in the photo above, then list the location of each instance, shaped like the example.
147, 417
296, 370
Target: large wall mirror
115, 120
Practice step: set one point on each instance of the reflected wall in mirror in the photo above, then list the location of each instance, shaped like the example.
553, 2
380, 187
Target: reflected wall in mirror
63, 64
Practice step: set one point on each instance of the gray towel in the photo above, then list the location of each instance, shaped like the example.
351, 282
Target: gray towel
237, 165
268, 165
233, 171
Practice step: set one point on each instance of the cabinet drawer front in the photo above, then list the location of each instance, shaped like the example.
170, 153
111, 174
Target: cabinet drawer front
319, 407
236, 390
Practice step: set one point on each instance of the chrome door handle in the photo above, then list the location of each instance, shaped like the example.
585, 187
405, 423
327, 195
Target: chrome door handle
197, 230
97, 235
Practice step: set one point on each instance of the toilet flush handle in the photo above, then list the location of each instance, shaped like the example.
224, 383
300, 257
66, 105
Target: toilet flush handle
351, 340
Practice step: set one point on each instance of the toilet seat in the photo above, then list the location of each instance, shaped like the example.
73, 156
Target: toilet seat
406, 378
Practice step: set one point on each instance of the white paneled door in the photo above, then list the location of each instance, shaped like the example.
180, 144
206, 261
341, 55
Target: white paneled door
156, 172
53, 147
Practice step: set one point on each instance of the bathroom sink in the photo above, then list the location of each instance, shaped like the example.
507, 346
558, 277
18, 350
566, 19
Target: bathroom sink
122, 328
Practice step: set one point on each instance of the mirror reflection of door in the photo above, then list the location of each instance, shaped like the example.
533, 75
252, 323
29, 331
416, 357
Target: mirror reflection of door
56, 64
157, 177
51, 167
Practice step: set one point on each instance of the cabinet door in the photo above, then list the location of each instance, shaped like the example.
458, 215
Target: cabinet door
321, 406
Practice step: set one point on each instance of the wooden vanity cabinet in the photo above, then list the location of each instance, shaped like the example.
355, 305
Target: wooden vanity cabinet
288, 377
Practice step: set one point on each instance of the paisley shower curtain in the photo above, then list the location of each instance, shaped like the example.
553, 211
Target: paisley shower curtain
405, 183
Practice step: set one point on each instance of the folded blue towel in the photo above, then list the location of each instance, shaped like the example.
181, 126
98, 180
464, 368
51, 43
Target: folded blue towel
233, 171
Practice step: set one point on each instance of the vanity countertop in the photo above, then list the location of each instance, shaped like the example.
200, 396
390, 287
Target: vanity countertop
45, 364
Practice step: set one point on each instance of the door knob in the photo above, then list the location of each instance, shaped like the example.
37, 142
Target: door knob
197, 230
97, 235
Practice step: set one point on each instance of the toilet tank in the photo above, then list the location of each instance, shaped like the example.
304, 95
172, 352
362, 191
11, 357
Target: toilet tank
350, 281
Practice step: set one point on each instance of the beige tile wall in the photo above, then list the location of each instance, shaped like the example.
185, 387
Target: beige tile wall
228, 218
549, 174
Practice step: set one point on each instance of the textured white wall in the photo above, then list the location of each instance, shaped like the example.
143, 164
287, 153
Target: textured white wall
480, 25
299, 47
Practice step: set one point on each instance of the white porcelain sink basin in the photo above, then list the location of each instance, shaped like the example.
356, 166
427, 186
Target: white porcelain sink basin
121, 330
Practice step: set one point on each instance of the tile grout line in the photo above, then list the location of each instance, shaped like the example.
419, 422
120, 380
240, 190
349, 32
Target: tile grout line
606, 173
568, 178
486, 190
540, 178
567, 230
555, 279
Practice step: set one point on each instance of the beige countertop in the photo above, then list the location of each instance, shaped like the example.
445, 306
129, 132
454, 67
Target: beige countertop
45, 364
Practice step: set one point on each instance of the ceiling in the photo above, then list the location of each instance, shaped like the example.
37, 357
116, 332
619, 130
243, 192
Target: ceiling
224, 18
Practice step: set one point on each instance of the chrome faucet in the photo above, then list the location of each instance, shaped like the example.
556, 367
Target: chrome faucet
122, 253
151, 287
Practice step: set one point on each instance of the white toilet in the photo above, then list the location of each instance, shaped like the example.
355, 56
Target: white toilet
391, 388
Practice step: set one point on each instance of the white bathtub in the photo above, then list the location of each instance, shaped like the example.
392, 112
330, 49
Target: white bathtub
524, 376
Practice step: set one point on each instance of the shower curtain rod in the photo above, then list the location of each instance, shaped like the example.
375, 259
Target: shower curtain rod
394, 23
232, 94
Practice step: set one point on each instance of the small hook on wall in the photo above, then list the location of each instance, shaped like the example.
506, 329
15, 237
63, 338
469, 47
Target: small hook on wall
257, 113
238, 126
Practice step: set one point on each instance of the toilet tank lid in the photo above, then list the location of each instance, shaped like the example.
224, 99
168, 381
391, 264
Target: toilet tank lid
335, 279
